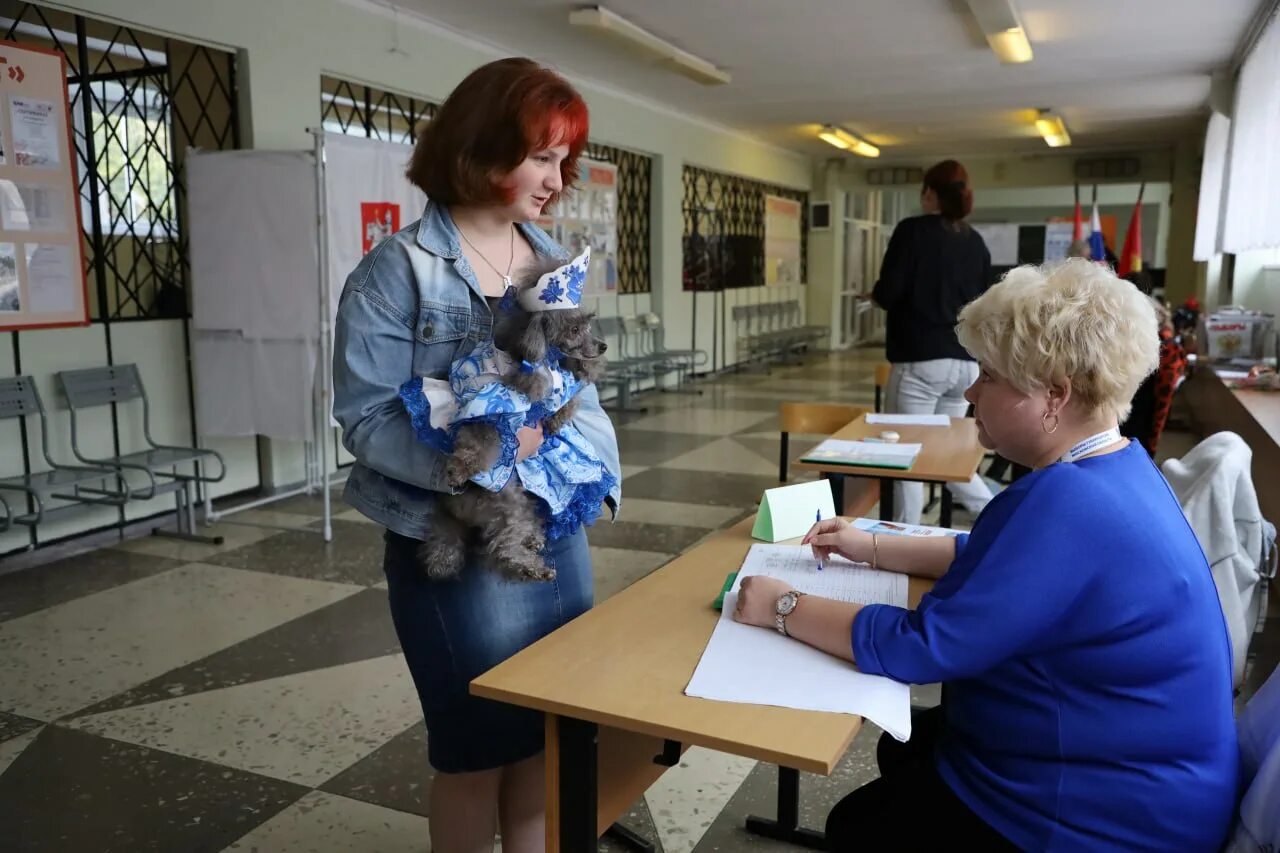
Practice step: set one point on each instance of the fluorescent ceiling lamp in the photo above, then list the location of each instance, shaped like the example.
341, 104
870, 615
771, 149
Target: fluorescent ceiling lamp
1053, 129
846, 141
694, 67
1003, 28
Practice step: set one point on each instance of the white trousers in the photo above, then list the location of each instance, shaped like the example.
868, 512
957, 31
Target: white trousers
927, 388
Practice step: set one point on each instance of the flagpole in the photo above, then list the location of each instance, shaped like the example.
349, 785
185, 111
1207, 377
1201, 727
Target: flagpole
1131, 254
1077, 223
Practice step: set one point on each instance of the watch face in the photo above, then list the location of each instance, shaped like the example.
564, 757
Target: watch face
787, 603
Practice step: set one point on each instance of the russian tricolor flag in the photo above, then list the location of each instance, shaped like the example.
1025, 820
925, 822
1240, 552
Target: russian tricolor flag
1097, 248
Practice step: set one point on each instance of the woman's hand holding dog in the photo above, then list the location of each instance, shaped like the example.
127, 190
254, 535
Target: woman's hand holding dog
530, 439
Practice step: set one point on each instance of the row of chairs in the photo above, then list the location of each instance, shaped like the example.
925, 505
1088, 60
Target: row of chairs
773, 332
638, 355
32, 498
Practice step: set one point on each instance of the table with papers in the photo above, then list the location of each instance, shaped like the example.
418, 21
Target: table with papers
864, 454
612, 683
730, 667
947, 453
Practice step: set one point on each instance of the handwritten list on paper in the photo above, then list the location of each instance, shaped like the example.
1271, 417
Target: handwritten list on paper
806, 679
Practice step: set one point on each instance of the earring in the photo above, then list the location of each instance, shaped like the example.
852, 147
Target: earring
1044, 423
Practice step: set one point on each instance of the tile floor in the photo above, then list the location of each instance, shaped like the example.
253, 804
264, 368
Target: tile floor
157, 695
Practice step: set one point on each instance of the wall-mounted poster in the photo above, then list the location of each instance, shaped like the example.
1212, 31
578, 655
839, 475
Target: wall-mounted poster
42, 280
1002, 242
588, 215
781, 240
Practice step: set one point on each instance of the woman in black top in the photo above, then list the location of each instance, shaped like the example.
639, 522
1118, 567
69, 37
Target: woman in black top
934, 266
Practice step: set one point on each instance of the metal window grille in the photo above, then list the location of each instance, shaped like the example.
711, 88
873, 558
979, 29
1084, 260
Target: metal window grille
356, 109
724, 229
138, 102
359, 110
635, 182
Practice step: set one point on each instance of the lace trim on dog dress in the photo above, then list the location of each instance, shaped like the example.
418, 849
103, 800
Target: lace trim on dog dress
566, 474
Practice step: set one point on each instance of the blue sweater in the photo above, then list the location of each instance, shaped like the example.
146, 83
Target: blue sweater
1086, 662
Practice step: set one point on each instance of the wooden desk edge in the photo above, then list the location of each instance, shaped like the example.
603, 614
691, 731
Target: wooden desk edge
822, 768
884, 473
479, 686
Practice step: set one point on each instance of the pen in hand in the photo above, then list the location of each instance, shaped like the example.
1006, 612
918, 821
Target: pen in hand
817, 518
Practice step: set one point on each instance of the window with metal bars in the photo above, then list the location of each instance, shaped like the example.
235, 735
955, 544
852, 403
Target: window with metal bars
723, 244
635, 181
139, 101
356, 109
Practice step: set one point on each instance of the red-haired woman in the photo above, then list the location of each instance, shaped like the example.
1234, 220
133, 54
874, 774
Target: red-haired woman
502, 148
934, 266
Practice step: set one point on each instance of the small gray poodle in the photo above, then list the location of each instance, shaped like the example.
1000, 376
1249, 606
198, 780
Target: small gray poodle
508, 525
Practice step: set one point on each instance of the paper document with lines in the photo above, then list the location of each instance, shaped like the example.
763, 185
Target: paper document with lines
759, 666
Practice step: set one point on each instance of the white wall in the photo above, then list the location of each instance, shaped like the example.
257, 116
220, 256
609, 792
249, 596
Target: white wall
1256, 281
285, 45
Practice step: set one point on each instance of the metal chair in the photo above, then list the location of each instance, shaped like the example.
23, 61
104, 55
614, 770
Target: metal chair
95, 387
634, 350
622, 371
20, 399
752, 340
686, 361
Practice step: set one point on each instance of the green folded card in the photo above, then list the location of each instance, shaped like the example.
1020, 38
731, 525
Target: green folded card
728, 585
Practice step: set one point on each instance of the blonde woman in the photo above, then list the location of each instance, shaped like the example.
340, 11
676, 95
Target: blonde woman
1077, 632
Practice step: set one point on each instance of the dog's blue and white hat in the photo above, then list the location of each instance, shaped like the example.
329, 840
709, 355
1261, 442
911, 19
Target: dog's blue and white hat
559, 289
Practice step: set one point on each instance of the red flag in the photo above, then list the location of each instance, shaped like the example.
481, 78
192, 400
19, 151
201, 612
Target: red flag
1131, 254
1077, 223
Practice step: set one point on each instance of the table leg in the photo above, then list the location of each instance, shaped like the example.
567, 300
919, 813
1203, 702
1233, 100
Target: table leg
837, 490
576, 743
886, 499
944, 515
787, 827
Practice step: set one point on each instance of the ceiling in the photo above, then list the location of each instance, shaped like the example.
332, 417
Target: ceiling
914, 76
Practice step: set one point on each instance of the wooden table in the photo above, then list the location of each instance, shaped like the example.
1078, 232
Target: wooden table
949, 454
1253, 415
612, 685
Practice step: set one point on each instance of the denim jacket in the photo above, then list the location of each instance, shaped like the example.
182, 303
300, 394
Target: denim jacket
411, 308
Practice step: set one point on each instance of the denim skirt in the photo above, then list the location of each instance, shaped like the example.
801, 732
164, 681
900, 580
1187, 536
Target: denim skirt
454, 630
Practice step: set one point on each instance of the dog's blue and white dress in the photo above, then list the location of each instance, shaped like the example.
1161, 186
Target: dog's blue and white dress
565, 473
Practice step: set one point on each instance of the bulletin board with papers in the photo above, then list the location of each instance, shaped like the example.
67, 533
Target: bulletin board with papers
42, 281
782, 240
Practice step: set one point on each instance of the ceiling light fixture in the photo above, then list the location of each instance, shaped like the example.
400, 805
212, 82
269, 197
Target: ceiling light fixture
1053, 129
1003, 28
846, 141
609, 23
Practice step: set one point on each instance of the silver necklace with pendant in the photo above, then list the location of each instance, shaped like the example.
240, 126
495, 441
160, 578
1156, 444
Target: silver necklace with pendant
506, 277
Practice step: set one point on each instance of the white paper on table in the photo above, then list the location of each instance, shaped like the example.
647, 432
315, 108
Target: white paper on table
894, 528
759, 666
869, 453
910, 420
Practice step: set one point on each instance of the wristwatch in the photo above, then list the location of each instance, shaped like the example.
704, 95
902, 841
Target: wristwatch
786, 603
